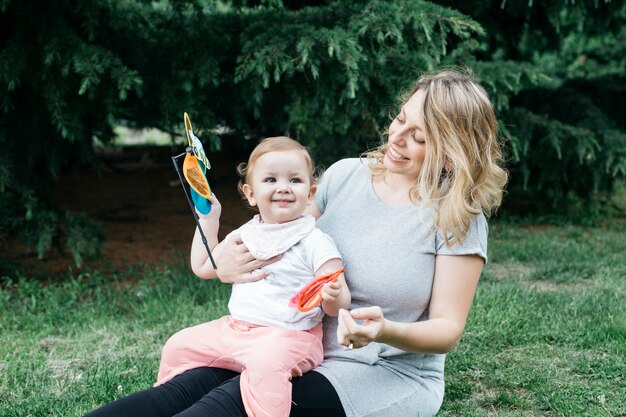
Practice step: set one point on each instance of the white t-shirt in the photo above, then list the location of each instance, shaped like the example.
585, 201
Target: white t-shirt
266, 302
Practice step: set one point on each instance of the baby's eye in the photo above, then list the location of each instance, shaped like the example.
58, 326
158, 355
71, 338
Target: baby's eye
270, 179
295, 180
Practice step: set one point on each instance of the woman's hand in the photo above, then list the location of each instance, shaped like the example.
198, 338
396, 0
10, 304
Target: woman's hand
352, 334
454, 285
235, 264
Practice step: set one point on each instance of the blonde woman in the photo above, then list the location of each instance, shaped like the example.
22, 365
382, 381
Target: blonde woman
409, 219
410, 222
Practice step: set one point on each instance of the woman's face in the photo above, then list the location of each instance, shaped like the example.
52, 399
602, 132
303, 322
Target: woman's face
407, 143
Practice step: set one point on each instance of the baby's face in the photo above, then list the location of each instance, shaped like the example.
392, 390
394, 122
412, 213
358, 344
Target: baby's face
280, 186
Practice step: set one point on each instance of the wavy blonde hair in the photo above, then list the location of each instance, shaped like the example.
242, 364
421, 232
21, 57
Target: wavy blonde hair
462, 172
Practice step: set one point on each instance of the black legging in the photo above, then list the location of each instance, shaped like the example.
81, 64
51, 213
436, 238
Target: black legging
214, 392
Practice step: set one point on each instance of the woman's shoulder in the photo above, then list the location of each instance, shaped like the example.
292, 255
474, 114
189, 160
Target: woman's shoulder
346, 167
346, 163
342, 176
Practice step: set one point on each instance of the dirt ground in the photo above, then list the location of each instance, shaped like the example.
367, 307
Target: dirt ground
139, 201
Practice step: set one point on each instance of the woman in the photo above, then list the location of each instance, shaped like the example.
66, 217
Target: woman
409, 221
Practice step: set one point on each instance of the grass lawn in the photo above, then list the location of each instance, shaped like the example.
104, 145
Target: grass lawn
546, 335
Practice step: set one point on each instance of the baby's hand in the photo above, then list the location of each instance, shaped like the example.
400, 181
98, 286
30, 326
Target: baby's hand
216, 210
331, 290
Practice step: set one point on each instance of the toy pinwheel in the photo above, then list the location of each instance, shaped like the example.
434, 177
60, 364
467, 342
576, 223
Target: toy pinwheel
195, 166
310, 296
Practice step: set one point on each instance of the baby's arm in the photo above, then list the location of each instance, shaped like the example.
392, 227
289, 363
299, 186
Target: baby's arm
335, 295
210, 223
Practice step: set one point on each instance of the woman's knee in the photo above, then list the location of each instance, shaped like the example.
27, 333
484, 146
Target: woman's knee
224, 401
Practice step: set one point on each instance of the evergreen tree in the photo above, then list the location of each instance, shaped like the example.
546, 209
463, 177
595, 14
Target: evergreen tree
325, 72
563, 119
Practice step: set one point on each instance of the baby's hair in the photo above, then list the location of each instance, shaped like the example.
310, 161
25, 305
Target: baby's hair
274, 144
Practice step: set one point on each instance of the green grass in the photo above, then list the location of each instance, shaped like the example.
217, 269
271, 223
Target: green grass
67, 347
546, 335
547, 332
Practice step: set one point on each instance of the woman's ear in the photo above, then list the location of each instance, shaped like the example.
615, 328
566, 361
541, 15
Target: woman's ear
248, 192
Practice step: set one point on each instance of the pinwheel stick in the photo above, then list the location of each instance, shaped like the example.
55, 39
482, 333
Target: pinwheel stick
193, 210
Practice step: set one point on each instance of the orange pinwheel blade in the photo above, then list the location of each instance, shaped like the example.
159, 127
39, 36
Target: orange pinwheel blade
310, 296
195, 176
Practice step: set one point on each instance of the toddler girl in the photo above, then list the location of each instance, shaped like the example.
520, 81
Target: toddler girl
266, 337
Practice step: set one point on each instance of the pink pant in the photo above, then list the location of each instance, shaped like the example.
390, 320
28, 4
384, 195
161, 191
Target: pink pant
267, 358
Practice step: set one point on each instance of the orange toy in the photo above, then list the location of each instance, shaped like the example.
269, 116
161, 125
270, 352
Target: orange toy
310, 296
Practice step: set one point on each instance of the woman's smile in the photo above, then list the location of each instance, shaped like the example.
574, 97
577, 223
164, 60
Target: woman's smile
406, 148
395, 156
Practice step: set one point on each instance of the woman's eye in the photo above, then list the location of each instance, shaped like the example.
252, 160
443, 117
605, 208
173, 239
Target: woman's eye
400, 120
417, 138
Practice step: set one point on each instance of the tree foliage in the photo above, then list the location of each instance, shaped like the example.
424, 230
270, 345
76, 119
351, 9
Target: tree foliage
564, 125
325, 72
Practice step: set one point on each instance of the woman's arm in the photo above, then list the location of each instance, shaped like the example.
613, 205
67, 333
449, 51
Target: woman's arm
456, 278
235, 264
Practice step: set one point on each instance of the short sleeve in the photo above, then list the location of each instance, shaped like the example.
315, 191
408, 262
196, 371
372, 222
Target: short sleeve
475, 242
320, 248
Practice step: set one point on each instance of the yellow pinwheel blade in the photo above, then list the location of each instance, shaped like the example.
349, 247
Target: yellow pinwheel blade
188, 129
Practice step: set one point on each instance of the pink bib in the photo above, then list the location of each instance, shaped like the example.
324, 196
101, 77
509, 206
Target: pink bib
265, 240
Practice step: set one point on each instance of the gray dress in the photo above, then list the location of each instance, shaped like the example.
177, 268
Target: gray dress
389, 255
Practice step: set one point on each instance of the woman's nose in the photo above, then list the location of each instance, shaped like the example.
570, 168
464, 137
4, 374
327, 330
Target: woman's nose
398, 137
